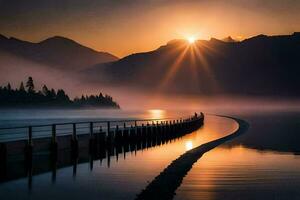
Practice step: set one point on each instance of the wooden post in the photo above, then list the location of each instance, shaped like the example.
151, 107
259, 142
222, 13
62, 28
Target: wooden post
54, 142
131, 135
74, 142
117, 131
3, 160
157, 129
91, 129
30, 136
2, 152
123, 133
147, 130
108, 127
109, 136
53, 133
92, 143
162, 128
29, 146
135, 129
74, 136
142, 131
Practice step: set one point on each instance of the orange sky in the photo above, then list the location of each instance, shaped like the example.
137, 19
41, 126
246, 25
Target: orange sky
125, 27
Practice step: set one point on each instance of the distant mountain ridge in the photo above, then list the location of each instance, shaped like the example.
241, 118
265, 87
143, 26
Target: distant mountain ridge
261, 65
58, 52
258, 66
229, 39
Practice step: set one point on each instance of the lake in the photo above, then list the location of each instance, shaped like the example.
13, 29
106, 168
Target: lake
244, 168
263, 163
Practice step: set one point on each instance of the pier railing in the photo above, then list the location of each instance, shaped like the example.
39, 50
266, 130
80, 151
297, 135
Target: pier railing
94, 135
32, 132
78, 128
98, 139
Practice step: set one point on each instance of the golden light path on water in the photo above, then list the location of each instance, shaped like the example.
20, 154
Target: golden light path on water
156, 113
188, 145
129, 175
228, 173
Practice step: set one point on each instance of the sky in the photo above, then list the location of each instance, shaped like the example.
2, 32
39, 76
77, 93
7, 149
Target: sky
123, 27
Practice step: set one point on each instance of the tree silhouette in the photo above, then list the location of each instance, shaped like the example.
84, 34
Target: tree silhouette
30, 85
22, 88
62, 97
45, 91
8, 87
52, 94
50, 98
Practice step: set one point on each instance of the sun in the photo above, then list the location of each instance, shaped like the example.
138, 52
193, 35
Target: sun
191, 40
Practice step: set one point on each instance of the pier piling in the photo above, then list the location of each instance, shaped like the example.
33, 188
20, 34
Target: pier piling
29, 145
102, 138
74, 142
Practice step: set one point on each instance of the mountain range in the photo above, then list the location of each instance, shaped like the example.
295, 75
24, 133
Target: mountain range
57, 52
258, 66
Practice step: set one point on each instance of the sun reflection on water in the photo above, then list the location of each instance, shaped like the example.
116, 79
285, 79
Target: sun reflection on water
157, 114
188, 145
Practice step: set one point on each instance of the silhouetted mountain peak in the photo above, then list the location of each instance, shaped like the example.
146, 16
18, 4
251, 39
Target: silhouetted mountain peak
56, 51
216, 41
176, 41
258, 37
12, 42
229, 39
2, 37
63, 42
59, 40
266, 65
15, 39
173, 43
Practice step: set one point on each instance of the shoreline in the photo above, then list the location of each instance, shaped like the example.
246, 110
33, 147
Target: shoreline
165, 184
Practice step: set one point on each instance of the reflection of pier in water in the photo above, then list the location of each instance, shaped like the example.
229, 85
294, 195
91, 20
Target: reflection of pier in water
26, 158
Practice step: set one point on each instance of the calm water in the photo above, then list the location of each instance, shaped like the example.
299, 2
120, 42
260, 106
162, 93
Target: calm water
242, 173
123, 179
25, 117
260, 164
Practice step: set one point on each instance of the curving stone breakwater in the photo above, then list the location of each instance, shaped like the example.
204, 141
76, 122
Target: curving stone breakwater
165, 184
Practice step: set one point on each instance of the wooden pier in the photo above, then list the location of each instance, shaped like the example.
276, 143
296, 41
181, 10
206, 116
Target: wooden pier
93, 140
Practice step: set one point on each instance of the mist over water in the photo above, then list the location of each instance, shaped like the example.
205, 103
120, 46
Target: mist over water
26, 117
255, 165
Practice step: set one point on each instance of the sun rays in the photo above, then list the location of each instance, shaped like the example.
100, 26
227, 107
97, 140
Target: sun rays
194, 54
174, 67
191, 40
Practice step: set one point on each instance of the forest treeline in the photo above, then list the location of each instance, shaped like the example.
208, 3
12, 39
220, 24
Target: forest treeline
27, 96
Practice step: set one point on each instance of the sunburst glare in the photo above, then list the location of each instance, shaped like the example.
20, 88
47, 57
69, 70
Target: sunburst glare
191, 40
